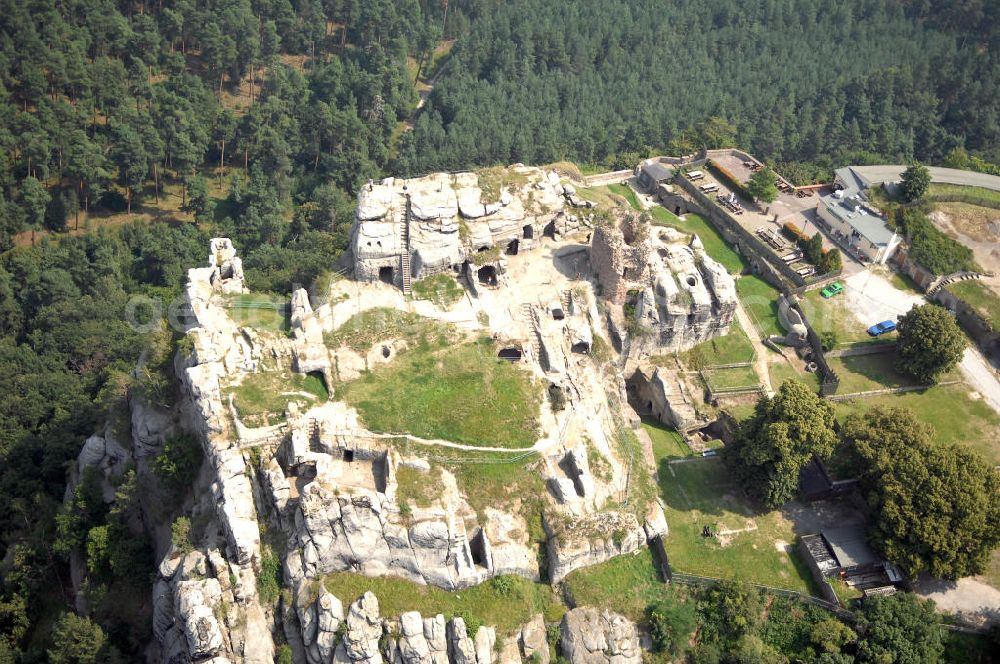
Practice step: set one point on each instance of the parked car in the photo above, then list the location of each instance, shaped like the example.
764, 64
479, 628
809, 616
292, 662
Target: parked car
836, 288
882, 328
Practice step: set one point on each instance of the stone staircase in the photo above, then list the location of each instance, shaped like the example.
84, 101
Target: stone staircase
404, 242
315, 442
950, 279
528, 314
566, 300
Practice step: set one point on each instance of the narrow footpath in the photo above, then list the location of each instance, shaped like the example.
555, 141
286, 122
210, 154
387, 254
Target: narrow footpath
760, 350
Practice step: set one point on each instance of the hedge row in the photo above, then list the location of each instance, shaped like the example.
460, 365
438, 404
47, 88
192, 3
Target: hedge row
729, 179
971, 199
826, 261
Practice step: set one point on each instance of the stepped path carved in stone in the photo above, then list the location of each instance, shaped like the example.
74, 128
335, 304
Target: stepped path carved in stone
405, 243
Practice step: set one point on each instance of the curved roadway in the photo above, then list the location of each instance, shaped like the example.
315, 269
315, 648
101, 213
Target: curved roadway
892, 173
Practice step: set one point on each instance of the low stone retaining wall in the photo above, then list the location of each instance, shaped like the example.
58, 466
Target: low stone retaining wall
985, 337
862, 349
610, 177
888, 390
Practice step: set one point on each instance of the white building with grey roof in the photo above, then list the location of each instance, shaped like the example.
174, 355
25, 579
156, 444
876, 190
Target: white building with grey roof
854, 221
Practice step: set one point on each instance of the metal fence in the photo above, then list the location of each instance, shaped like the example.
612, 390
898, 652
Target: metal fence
697, 580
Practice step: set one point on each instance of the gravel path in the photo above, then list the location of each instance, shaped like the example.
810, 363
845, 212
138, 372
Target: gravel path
872, 298
968, 597
761, 353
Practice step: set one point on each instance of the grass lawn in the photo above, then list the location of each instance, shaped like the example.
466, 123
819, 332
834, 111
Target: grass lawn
727, 349
832, 315
700, 493
904, 282
715, 246
741, 411
625, 584
506, 604
441, 289
602, 196
416, 488
782, 370
262, 311
973, 195
627, 193
667, 443
956, 416
461, 393
761, 300
861, 373
373, 325
979, 297
261, 398
486, 479
732, 377
487, 484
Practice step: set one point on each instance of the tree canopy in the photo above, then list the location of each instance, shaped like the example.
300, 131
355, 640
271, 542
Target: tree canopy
935, 508
900, 628
778, 440
930, 343
808, 84
763, 185
915, 181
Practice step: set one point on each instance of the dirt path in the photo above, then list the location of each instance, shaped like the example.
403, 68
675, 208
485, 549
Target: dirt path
969, 597
760, 350
981, 376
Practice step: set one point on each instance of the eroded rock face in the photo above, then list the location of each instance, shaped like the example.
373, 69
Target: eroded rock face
361, 530
533, 640
589, 636
591, 540
364, 629
693, 298
450, 220
683, 296
204, 606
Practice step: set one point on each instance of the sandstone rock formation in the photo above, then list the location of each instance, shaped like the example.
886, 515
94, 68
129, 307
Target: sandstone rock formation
664, 395
679, 294
328, 486
443, 222
590, 636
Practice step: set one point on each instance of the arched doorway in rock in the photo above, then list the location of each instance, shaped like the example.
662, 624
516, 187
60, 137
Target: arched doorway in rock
386, 275
510, 354
488, 275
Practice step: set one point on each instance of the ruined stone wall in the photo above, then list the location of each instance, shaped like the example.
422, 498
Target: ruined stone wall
760, 257
441, 221
619, 266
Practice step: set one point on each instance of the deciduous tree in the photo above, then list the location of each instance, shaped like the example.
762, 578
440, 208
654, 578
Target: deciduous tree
780, 438
763, 185
930, 343
914, 183
935, 508
900, 628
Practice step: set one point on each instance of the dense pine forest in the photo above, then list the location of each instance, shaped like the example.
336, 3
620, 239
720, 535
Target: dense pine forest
809, 82
132, 131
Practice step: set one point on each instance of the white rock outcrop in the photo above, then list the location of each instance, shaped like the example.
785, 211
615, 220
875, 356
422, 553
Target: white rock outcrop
591, 540
450, 222
590, 636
